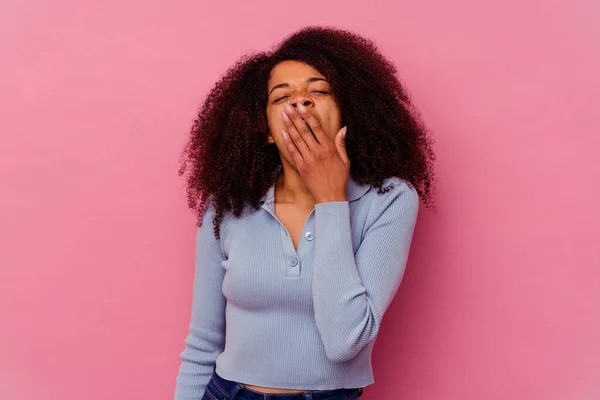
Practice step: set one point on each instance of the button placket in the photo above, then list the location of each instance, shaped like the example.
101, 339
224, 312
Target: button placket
292, 261
293, 256
307, 237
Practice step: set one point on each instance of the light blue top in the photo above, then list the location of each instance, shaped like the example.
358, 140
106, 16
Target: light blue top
297, 319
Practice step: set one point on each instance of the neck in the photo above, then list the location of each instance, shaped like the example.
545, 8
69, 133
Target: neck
290, 188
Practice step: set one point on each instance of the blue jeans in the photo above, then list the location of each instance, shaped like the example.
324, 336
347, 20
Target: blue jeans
221, 389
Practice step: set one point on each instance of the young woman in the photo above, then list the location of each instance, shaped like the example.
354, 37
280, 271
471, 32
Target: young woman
305, 166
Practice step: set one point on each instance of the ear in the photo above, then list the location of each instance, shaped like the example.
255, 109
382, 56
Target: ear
270, 139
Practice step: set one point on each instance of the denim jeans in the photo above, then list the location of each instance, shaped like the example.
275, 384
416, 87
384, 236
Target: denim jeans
222, 389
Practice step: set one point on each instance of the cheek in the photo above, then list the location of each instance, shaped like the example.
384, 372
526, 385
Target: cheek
275, 124
331, 119
274, 119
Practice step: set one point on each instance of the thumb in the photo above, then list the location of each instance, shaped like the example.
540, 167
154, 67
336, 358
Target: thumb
340, 144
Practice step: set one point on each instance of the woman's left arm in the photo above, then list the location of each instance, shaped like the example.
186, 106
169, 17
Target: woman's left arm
352, 292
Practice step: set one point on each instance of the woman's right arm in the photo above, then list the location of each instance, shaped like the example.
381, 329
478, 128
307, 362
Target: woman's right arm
206, 338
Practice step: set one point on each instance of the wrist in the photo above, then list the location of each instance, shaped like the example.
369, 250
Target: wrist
331, 198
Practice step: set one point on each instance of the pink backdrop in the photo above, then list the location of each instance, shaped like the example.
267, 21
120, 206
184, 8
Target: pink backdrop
501, 297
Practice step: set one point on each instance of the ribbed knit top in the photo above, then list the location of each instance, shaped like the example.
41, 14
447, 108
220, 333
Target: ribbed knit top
267, 314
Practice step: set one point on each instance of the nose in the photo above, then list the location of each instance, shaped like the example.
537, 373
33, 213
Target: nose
301, 99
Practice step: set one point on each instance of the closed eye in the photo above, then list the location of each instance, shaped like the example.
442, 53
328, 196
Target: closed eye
281, 98
314, 91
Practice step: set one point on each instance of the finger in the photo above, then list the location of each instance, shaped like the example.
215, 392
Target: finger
314, 122
294, 135
340, 145
306, 130
298, 130
292, 149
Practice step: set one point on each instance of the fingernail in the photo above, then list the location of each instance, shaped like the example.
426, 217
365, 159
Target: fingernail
284, 134
345, 131
285, 116
288, 108
301, 108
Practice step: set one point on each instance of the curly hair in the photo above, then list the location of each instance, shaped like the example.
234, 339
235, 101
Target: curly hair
228, 162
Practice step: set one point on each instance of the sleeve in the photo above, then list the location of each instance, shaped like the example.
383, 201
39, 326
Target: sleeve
206, 338
352, 292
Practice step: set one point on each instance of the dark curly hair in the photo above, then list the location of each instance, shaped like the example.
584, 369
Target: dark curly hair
228, 162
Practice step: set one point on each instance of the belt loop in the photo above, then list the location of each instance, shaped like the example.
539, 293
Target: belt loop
234, 392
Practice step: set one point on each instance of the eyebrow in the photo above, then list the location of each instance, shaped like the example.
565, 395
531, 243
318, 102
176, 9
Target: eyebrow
285, 85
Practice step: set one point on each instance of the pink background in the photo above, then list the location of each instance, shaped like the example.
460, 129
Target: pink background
501, 299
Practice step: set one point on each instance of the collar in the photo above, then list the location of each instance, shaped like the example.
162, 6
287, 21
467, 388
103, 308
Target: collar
354, 191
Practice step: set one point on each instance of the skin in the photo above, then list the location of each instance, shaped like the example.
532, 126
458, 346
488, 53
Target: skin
315, 168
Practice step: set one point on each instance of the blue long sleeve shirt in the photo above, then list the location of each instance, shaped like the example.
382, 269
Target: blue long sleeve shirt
265, 313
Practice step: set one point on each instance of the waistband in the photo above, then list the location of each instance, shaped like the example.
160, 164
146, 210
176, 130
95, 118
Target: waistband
218, 387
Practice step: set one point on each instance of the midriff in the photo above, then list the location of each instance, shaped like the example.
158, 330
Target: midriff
263, 389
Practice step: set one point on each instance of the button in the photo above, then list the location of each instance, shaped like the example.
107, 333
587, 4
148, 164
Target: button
294, 261
309, 236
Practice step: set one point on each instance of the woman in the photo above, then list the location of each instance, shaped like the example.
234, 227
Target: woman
305, 166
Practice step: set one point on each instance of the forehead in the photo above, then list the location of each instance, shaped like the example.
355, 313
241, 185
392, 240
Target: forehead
290, 71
